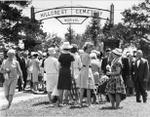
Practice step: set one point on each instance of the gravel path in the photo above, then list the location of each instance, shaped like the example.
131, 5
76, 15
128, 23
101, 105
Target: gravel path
39, 106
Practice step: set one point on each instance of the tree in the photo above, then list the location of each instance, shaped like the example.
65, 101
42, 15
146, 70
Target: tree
51, 40
17, 27
78, 40
33, 34
137, 20
70, 35
93, 30
11, 19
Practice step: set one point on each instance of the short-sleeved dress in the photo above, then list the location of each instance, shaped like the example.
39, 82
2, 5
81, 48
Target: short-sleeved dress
86, 79
35, 70
116, 84
64, 79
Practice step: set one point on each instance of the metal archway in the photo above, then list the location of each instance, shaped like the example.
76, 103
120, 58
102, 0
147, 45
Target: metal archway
71, 15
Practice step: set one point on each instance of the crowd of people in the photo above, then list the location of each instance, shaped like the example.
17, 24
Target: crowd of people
80, 77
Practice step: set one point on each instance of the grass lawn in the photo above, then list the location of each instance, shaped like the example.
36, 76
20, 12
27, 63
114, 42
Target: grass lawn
40, 107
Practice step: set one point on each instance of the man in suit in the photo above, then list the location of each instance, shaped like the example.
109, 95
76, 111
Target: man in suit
20, 88
22, 63
23, 68
105, 61
141, 76
125, 69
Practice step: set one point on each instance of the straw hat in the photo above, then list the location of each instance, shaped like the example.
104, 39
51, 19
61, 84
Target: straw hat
117, 51
66, 45
51, 51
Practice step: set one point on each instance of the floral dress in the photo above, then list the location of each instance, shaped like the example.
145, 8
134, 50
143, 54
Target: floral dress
116, 84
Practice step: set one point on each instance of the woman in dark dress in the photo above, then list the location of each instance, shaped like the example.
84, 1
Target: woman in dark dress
65, 79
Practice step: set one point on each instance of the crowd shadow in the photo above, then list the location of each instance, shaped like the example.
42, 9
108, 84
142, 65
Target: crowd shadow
41, 103
37, 93
110, 108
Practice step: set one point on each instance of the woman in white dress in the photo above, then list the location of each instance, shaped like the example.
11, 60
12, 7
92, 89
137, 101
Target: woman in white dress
51, 67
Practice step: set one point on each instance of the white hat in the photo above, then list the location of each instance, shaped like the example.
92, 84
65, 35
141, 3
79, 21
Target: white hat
51, 50
34, 53
81, 51
66, 45
117, 51
93, 56
11, 51
44, 54
95, 51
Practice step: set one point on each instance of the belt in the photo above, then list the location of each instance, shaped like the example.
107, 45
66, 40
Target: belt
86, 66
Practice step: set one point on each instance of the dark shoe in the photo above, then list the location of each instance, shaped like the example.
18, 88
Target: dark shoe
144, 100
138, 101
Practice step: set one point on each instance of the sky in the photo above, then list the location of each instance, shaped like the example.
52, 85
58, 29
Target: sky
53, 26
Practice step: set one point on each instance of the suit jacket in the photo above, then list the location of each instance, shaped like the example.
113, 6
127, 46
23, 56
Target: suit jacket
104, 64
23, 66
141, 71
125, 68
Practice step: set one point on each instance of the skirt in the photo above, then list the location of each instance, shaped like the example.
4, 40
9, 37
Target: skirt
51, 81
116, 85
64, 79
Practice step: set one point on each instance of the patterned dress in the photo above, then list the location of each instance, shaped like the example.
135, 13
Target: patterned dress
116, 84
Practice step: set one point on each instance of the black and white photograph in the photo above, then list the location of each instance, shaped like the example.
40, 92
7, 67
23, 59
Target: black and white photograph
74, 58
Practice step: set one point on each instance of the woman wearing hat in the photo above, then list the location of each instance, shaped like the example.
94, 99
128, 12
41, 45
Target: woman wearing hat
115, 88
10, 68
65, 80
51, 67
35, 71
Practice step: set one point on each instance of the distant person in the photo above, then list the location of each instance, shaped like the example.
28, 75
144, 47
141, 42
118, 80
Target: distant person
125, 69
77, 65
130, 80
35, 72
115, 88
51, 67
65, 78
86, 76
10, 68
141, 76
105, 60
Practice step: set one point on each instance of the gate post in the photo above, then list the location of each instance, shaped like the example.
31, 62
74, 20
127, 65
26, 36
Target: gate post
32, 14
112, 14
